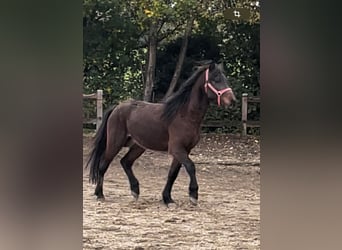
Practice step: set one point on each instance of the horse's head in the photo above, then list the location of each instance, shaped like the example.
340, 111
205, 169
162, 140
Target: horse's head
216, 85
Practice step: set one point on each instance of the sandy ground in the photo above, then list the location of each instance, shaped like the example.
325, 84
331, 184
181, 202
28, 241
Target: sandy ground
227, 216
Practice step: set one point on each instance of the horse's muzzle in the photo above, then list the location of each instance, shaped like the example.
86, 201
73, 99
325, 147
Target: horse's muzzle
227, 98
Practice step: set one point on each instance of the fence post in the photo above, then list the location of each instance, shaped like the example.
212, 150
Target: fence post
99, 108
244, 113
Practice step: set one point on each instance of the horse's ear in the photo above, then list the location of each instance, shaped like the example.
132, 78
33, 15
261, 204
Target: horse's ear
220, 66
212, 66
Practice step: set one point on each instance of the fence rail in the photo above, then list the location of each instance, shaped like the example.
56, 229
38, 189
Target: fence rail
98, 96
245, 123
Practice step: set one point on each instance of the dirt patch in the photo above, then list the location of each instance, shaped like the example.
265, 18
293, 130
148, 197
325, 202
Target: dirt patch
227, 216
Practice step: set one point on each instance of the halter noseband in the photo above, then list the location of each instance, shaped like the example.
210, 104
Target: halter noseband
212, 88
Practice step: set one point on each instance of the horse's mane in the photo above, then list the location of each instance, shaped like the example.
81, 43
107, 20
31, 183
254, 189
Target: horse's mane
182, 95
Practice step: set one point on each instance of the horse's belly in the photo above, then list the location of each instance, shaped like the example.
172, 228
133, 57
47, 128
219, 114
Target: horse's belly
149, 136
151, 145
153, 141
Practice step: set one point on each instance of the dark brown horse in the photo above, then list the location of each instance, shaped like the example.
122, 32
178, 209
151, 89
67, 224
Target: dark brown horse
173, 126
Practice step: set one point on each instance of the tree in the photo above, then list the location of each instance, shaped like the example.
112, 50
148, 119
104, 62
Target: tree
160, 20
127, 41
151, 62
110, 55
181, 57
209, 11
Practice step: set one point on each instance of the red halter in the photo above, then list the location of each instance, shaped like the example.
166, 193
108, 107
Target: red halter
212, 88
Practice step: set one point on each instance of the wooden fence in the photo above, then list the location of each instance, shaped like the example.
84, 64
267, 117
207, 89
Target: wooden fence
244, 111
98, 96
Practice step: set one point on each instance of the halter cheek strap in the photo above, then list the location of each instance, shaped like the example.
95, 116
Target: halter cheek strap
212, 88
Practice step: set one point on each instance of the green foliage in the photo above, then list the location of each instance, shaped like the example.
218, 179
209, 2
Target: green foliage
112, 59
115, 48
237, 45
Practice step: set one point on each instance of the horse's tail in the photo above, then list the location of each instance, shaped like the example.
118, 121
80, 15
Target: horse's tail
99, 148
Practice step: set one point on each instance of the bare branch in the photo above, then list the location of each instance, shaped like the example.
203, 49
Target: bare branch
169, 33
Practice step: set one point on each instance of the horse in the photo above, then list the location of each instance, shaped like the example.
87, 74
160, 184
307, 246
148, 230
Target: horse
172, 125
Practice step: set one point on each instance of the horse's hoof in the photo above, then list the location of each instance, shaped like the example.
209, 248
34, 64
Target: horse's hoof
171, 205
100, 198
193, 201
167, 200
135, 195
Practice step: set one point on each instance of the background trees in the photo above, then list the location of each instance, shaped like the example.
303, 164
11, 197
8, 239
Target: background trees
138, 49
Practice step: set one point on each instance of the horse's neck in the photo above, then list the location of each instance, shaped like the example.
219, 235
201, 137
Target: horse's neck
198, 103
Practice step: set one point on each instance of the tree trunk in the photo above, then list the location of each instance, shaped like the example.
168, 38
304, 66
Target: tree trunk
181, 57
151, 64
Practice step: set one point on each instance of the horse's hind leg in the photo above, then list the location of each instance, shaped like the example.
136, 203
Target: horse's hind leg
127, 161
99, 186
116, 138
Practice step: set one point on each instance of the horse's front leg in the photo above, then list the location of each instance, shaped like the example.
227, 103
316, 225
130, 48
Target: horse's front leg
173, 173
127, 161
183, 158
